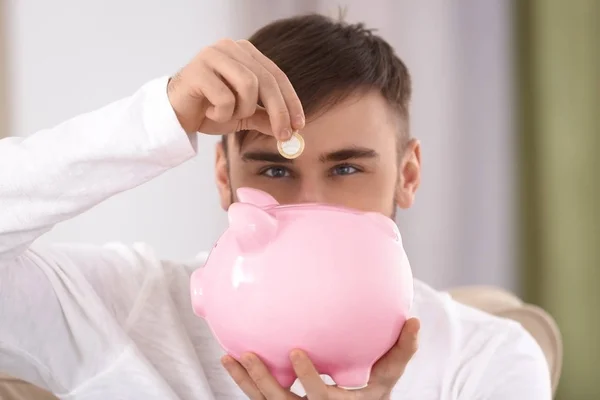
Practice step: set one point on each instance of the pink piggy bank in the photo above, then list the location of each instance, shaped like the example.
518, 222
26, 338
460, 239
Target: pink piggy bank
331, 281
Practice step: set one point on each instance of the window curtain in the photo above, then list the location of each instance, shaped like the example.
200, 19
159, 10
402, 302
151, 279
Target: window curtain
559, 87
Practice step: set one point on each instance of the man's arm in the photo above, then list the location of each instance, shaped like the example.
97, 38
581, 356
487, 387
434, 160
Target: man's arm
58, 173
55, 330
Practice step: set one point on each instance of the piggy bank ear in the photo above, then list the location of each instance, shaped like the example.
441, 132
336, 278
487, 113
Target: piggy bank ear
385, 224
253, 227
256, 197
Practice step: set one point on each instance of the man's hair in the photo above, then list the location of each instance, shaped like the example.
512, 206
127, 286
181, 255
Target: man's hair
327, 60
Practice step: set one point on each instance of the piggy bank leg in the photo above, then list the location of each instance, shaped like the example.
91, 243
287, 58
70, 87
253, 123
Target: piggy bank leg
352, 378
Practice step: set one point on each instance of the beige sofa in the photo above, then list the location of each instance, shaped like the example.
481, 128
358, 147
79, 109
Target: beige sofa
495, 301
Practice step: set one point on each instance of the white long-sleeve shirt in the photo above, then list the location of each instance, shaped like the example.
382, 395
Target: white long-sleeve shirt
115, 322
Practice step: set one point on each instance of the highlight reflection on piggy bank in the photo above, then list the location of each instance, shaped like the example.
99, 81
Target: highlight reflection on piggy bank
333, 282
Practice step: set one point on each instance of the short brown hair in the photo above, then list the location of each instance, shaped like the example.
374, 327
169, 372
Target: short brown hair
328, 60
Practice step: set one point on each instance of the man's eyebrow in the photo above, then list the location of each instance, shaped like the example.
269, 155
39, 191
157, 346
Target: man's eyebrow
265, 156
348, 154
334, 156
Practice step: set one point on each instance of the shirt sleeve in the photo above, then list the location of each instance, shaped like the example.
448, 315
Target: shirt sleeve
58, 173
56, 328
495, 359
65, 309
517, 371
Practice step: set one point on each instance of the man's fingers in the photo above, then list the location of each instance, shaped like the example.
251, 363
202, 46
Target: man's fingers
306, 372
238, 77
391, 366
408, 344
241, 378
288, 91
293, 107
218, 94
268, 88
259, 121
263, 379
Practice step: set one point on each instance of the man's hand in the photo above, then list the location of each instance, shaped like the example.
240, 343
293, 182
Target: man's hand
258, 384
218, 92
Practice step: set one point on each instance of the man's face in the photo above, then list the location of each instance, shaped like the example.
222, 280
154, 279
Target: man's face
350, 158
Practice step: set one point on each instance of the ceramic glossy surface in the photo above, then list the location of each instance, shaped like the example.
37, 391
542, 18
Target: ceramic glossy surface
331, 281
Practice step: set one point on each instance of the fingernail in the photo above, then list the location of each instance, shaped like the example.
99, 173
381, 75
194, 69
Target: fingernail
226, 361
417, 326
286, 134
247, 361
299, 121
295, 356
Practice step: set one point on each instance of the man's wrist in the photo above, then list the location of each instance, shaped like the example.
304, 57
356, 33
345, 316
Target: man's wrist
161, 124
179, 103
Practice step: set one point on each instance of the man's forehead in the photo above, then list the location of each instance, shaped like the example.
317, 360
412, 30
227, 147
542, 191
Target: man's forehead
242, 139
258, 147
355, 121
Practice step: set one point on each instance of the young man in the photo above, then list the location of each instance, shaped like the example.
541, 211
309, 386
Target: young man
115, 322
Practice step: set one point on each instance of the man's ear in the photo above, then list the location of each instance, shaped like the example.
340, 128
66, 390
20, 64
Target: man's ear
222, 175
409, 174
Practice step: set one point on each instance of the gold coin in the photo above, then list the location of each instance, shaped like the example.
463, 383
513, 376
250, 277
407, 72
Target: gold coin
291, 148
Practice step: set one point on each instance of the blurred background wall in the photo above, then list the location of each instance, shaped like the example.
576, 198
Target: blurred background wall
4, 113
505, 103
68, 56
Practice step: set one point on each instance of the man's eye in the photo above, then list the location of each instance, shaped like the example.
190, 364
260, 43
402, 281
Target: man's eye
276, 172
344, 170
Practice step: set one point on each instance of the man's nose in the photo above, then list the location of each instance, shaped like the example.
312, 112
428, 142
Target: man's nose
311, 192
